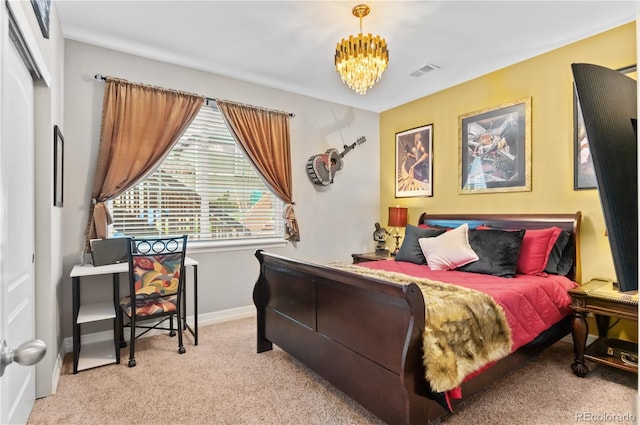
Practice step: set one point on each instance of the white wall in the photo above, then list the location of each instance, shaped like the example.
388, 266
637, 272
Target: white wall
334, 221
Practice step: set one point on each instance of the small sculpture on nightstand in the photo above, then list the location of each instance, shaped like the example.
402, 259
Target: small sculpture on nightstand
380, 236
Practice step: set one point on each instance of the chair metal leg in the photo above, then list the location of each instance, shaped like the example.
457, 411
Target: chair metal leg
121, 326
181, 349
132, 341
172, 331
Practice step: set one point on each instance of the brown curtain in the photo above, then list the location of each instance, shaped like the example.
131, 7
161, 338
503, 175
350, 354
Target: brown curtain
264, 137
140, 125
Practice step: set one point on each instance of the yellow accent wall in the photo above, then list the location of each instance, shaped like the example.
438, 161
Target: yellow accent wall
548, 80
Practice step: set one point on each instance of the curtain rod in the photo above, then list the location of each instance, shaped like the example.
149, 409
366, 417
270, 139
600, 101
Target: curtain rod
210, 100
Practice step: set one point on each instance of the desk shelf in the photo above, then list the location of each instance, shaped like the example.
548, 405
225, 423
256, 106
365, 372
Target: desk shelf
89, 355
95, 312
96, 354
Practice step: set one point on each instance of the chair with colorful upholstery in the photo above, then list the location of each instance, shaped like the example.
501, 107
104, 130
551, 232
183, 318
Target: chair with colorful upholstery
156, 283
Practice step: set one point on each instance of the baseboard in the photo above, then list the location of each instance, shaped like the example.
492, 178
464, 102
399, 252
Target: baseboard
57, 369
203, 320
225, 315
55, 372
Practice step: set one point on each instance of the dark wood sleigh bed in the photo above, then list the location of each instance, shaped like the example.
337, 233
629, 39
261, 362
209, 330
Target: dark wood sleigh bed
364, 335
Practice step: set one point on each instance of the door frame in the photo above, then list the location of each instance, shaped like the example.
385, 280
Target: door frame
25, 38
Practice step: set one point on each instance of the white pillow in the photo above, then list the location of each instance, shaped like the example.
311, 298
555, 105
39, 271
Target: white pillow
450, 250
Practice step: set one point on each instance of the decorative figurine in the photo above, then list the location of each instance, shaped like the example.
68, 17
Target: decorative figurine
380, 236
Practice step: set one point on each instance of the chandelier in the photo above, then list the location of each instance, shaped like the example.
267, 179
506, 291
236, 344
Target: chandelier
361, 59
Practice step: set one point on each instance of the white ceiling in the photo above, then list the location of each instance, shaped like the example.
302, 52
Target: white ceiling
290, 45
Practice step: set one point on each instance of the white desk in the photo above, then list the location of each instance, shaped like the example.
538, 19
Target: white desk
103, 354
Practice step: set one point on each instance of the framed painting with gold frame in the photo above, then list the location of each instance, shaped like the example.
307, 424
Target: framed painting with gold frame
494, 149
414, 162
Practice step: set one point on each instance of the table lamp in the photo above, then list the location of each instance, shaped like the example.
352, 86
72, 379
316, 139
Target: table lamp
397, 218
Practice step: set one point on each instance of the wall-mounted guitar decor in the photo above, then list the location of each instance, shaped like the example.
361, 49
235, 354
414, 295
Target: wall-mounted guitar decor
322, 167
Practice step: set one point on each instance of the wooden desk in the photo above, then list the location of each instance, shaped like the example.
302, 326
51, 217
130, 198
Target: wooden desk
102, 353
602, 299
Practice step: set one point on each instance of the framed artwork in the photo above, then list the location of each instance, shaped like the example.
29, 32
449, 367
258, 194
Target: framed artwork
495, 149
58, 166
414, 162
584, 176
42, 8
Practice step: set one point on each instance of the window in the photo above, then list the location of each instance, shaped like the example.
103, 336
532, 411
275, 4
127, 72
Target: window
205, 188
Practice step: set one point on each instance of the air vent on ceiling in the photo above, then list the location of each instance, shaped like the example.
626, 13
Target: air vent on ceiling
424, 70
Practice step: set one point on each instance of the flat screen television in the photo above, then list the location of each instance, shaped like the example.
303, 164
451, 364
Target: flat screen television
608, 100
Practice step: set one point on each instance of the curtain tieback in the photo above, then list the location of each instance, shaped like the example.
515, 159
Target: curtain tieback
100, 213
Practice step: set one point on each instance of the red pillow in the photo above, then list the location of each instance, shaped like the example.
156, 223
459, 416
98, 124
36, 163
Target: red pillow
536, 247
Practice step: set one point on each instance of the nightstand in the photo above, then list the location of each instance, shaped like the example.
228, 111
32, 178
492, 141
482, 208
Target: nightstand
601, 298
370, 256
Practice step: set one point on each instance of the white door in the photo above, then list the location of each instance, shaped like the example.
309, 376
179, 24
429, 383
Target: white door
17, 312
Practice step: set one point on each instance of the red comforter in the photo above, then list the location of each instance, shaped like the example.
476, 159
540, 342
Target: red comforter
531, 304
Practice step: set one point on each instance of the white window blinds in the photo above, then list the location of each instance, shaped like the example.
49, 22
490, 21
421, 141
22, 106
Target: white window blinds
205, 188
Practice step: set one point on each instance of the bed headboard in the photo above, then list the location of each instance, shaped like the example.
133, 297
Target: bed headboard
568, 222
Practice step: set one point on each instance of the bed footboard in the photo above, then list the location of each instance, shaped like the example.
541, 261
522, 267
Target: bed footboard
361, 334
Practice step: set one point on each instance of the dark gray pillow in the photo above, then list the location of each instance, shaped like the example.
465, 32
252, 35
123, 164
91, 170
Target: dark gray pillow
410, 250
566, 262
498, 251
556, 252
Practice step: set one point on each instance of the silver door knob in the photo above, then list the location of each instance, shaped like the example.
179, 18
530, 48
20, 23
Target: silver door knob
27, 354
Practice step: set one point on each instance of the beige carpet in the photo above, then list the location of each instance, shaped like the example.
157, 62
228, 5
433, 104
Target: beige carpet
224, 381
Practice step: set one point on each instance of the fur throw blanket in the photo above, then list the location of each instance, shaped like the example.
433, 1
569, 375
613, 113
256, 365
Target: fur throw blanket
464, 329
